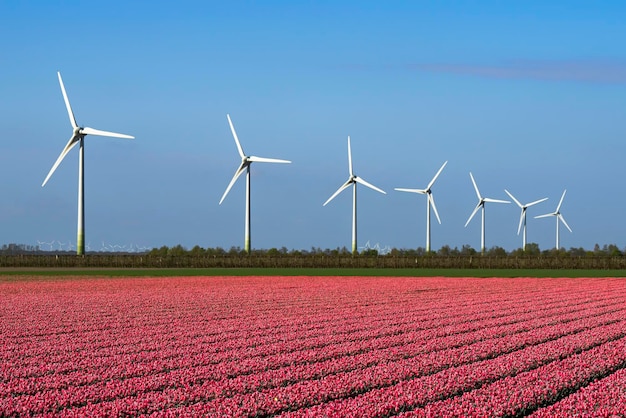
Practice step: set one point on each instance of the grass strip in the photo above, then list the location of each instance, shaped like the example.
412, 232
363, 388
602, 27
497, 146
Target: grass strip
7, 274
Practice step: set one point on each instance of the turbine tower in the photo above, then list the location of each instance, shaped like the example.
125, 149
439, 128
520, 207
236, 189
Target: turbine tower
430, 201
352, 181
481, 205
522, 219
560, 217
78, 137
246, 161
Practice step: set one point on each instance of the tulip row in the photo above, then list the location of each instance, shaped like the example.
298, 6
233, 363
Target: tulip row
603, 398
525, 392
255, 346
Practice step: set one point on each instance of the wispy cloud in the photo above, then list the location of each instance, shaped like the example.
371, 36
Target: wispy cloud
591, 71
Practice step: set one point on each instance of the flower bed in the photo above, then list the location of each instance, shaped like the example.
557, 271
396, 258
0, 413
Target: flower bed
310, 346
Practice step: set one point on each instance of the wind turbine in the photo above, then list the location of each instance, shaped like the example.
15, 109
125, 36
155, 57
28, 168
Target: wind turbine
78, 137
559, 216
246, 161
429, 201
481, 205
522, 219
352, 181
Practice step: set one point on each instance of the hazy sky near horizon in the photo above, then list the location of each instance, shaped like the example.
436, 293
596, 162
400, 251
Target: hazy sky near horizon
527, 95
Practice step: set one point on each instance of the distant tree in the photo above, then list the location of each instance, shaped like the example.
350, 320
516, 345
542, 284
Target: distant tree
496, 251
217, 251
197, 251
532, 248
577, 252
272, 252
177, 251
613, 251
344, 251
444, 251
370, 252
159, 252
467, 250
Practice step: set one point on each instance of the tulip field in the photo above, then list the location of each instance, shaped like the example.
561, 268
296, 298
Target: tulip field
312, 346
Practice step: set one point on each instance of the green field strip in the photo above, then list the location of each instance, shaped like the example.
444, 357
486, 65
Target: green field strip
15, 273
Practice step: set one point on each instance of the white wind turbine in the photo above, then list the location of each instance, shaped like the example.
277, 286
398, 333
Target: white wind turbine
522, 219
560, 217
352, 181
429, 201
481, 204
246, 161
78, 137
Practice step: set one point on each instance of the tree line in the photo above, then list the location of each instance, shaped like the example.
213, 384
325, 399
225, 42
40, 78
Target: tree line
600, 257
532, 250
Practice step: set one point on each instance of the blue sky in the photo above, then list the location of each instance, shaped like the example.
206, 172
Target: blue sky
527, 95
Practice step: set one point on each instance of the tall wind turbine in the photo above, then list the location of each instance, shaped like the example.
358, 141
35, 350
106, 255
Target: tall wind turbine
481, 205
352, 181
78, 137
560, 217
429, 201
246, 161
522, 219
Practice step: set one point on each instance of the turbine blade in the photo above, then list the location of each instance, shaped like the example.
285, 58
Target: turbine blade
436, 175
240, 170
267, 160
473, 213
371, 186
564, 223
536, 201
516, 201
67, 102
561, 201
232, 129
350, 157
70, 144
475, 187
545, 216
91, 131
521, 219
410, 190
487, 199
432, 202
339, 190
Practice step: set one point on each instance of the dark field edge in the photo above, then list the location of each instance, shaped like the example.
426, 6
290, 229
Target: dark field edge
8, 273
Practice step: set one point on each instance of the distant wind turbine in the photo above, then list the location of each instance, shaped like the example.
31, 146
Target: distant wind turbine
429, 201
246, 161
352, 181
78, 137
522, 219
560, 217
481, 205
